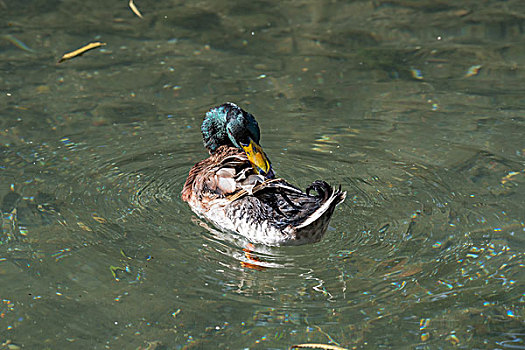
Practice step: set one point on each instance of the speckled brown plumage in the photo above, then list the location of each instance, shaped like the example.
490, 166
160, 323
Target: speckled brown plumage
226, 190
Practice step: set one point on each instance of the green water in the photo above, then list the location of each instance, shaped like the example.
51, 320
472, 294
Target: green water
414, 107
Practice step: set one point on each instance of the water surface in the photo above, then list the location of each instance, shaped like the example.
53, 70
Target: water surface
414, 107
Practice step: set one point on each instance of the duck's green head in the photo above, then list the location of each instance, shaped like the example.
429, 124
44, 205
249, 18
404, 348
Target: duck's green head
230, 125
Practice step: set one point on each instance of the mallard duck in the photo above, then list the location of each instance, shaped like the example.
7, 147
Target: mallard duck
236, 188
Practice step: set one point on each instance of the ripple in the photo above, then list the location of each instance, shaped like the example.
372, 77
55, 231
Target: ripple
106, 212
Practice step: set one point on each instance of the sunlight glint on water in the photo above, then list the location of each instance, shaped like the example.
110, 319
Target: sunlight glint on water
415, 109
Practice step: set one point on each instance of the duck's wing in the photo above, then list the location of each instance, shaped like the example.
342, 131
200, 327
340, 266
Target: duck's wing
289, 209
223, 174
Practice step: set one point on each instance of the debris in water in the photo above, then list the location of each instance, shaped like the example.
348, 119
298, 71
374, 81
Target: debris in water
134, 9
82, 50
318, 346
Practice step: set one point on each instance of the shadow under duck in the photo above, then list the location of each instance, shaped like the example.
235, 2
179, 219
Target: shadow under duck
236, 189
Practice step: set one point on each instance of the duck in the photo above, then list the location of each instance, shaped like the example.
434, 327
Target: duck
236, 189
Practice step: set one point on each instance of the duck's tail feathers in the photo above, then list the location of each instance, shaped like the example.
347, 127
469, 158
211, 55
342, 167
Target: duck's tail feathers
329, 199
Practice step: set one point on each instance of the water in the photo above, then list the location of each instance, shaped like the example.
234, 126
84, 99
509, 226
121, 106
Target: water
415, 108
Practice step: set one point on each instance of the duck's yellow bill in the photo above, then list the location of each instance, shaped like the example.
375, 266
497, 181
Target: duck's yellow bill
256, 156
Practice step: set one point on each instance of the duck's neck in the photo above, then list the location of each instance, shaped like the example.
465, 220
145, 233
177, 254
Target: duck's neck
214, 133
